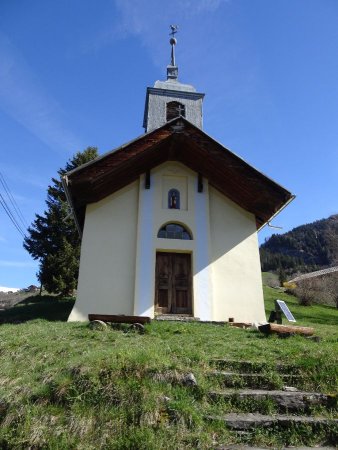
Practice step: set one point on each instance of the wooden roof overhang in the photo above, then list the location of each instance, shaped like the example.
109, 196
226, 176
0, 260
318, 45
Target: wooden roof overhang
177, 140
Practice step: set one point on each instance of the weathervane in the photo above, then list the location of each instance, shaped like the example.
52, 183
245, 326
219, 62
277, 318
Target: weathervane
173, 42
174, 29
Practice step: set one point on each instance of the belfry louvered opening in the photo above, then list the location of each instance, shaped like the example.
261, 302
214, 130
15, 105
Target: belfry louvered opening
175, 109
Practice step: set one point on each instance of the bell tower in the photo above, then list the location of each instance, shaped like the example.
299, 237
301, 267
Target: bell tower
169, 99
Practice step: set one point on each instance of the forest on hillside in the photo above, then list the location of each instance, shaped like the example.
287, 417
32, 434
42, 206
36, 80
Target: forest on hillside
305, 248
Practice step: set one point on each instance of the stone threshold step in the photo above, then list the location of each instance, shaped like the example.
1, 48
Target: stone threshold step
251, 420
177, 317
293, 401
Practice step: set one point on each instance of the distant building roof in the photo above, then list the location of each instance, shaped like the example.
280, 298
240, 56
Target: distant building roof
317, 273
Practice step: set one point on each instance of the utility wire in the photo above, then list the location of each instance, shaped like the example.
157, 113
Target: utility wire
10, 215
13, 202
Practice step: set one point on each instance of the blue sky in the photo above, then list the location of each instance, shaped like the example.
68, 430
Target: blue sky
74, 74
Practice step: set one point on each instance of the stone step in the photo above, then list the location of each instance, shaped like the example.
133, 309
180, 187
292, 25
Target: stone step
248, 447
249, 421
254, 367
254, 380
177, 317
285, 401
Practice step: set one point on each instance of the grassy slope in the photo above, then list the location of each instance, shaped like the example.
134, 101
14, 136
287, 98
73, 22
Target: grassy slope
313, 316
64, 386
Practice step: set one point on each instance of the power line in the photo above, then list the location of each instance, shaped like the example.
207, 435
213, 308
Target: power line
10, 215
13, 202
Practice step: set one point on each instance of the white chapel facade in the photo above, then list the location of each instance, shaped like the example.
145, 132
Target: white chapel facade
169, 221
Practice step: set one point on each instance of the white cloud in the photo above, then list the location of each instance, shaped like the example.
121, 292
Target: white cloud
23, 98
25, 175
138, 17
18, 264
150, 19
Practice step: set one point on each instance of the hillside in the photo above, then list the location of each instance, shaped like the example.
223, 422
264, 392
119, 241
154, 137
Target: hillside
65, 386
305, 248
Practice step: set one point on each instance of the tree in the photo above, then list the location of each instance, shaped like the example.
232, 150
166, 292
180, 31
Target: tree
53, 238
281, 275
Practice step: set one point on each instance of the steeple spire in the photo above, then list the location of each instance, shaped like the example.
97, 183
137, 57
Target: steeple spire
172, 69
170, 98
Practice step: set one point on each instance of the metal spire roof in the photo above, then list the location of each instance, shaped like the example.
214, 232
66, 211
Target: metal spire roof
172, 69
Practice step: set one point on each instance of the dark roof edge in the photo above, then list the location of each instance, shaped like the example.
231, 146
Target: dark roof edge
106, 154
64, 180
237, 156
167, 125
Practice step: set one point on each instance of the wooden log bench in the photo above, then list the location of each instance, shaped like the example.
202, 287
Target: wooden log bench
100, 321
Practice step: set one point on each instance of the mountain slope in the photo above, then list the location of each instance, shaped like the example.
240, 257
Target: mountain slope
305, 248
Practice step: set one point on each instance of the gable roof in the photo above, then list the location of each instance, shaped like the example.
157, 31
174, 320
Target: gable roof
177, 140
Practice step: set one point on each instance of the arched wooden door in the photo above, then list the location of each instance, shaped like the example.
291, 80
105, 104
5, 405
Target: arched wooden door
173, 286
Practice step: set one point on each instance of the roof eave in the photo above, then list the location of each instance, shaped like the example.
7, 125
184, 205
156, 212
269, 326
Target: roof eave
267, 222
280, 197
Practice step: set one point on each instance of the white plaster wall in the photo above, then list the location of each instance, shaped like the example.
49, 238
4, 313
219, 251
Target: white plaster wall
235, 262
153, 214
194, 215
108, 254
203, 290
119, 245
145, 259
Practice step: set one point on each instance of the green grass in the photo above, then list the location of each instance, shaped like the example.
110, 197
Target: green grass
63, 386
305, 315
270, 279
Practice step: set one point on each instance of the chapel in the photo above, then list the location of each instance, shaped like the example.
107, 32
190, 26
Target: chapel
169, 220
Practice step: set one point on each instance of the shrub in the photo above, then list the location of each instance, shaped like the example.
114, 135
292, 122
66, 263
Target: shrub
323, 290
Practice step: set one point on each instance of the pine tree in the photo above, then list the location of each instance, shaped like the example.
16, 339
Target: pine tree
53, 238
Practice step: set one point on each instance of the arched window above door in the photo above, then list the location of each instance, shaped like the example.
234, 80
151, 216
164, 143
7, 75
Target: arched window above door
174, 231
175, 109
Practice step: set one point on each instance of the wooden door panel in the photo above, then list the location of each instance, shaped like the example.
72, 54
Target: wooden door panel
162, 300
163, 283
181, 299
173, 283
181, 284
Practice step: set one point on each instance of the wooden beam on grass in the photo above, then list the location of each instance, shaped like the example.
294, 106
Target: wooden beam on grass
270, 328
